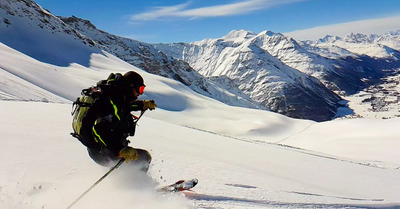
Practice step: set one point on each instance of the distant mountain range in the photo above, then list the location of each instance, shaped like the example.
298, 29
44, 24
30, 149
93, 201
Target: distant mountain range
266, 70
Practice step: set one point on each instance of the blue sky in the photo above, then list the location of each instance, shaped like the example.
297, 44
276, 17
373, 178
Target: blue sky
193, 20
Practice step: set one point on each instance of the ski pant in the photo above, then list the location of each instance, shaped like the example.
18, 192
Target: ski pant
105, 158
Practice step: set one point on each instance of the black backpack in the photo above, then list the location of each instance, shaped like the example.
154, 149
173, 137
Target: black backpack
87, 107
84, 111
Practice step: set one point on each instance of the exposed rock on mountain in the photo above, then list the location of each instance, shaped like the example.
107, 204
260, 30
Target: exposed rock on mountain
266, 70
344, 66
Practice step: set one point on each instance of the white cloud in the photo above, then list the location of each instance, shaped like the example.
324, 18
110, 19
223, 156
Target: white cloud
160, 12
181, 10
369, 26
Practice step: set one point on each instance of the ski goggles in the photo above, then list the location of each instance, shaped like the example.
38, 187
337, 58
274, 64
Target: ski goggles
141, 89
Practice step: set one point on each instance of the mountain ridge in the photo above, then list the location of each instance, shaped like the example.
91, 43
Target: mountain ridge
266, 70
332, 60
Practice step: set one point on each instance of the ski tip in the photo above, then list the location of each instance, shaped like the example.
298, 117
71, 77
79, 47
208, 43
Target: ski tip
195, 181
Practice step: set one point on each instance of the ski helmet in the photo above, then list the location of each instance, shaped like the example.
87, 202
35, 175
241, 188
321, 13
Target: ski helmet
134, 81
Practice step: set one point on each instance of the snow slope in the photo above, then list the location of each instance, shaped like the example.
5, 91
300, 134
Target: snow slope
243, 158
27, 27
32, 30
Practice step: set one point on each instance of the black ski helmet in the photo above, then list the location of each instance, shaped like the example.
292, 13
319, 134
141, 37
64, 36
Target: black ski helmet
133, 79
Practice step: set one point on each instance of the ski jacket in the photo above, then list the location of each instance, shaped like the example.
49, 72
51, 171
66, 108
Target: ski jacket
110, 121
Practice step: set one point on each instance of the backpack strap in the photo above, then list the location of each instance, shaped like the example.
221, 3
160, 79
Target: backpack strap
85, 92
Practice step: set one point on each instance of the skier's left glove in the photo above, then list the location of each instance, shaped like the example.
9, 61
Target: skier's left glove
128, 153
149, 104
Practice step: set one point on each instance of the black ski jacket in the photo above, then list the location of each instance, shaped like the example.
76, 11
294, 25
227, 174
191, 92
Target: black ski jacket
112, 123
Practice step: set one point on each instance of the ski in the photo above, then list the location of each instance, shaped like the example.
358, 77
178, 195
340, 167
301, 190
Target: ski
181, 185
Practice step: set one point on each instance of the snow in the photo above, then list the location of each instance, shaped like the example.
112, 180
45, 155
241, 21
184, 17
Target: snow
380, 101
374, 146
371, 45
37, 39
243, 158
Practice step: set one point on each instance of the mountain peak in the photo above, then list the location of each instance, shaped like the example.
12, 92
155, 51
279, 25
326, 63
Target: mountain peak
239, 35
329, 38
358, 38
394, 33
270, 33
77, 20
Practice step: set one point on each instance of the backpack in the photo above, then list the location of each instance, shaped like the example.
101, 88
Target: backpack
84, 110
87, 107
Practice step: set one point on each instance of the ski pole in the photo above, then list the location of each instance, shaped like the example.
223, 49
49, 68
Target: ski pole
136, 118
97, 182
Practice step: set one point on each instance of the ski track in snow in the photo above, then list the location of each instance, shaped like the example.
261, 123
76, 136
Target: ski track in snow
221, 201
298, 149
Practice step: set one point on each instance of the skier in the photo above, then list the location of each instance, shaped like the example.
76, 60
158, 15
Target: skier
103, 121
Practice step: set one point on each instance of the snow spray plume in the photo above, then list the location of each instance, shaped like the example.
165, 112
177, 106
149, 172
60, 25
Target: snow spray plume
135, 187
97, 182
105, 175
130, 176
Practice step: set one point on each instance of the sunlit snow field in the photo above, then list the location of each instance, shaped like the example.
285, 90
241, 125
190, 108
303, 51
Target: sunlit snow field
243, 158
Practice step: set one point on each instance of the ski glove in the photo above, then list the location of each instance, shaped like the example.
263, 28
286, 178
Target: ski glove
149, 104
128, 153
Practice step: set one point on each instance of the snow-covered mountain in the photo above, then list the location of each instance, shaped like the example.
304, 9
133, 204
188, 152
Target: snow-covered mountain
27, 18
30, 29
266, 70
384, 46
243, 58
344, 66
147, 57
358, 61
